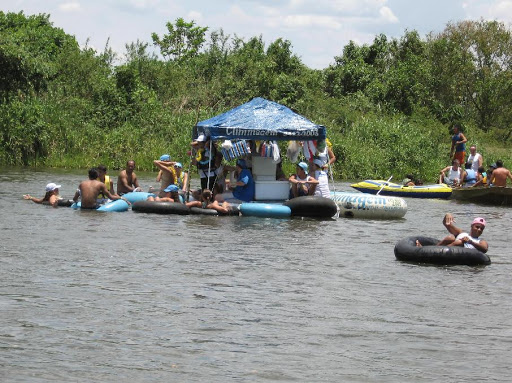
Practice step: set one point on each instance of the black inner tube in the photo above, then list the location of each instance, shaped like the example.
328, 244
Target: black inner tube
160, 207
311, 206
407, 251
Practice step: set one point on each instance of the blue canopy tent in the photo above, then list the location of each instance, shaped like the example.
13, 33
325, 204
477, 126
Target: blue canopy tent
260, 119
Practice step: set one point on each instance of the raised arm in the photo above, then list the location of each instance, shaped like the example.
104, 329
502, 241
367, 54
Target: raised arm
332, 157
448, 222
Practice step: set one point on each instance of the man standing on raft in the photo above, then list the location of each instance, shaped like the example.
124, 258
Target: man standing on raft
459, 238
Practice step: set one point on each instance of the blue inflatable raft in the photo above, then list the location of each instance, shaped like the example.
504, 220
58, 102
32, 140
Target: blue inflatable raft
138, 196
266, 210
115, 206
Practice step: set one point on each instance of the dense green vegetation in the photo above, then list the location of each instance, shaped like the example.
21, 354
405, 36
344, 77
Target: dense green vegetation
388, 106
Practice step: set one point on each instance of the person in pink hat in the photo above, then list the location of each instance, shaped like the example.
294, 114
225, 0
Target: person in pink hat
458, 237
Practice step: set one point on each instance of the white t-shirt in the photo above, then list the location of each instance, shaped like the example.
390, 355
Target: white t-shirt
474, 161
322, 189
468, 245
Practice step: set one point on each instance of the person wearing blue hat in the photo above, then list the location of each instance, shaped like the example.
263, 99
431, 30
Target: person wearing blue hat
181, 177
166, 174
301, 182
243, 189
170, 195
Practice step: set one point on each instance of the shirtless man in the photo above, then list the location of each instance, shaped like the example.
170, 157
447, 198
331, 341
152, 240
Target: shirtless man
166, 175
127, 180
500, 174
89, 190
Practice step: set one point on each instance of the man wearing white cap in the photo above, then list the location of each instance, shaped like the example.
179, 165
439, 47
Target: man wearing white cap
207, 162
458, 237
50, 198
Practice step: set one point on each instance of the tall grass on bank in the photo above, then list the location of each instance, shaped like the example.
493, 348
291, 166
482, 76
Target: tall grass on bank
69, 133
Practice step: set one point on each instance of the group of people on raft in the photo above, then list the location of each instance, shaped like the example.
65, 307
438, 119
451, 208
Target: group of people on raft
469, 173
215, 192
223, 185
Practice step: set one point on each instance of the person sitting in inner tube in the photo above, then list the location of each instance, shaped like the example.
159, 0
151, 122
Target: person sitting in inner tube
89, 190
50, 198
208, 202
170, 194
166, 173
127, 180
301, 182
457, 237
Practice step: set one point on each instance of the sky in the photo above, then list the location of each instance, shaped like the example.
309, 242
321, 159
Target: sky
317, 29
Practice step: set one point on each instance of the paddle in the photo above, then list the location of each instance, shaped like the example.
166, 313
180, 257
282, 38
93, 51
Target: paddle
383, 185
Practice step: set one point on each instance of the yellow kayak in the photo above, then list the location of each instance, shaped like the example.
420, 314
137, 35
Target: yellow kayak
390, 188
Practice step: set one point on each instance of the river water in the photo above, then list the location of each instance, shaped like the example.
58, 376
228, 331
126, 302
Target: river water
116, 297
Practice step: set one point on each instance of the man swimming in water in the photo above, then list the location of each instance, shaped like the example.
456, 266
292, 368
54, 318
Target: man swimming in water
89, 190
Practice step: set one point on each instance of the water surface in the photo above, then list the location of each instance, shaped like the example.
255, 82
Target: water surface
111, 297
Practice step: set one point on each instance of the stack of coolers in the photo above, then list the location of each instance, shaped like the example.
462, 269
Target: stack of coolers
264, 174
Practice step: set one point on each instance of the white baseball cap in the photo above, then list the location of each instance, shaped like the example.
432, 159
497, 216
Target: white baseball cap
201, 138
51, 187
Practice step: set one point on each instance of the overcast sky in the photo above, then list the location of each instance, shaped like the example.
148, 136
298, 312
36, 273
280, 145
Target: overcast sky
317, 29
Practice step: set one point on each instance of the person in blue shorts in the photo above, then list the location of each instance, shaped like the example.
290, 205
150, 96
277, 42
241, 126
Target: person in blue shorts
243, 188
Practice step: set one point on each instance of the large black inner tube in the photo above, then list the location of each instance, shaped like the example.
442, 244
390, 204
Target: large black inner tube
311, 206
407, 251
64, 202
160, 207
201, 211
233, 210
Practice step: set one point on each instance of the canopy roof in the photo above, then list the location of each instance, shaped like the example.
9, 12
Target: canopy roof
260, 119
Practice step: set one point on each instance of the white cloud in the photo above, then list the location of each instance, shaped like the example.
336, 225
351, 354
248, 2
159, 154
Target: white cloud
196, 16
306, 21
144, 4
70, 7
317, 29
501, 10
387, 15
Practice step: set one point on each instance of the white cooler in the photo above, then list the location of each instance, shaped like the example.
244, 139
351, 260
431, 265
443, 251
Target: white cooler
271, 190
267, 188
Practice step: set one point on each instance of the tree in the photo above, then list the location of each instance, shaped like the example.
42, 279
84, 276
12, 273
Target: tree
473, 66
30, 48
183, 41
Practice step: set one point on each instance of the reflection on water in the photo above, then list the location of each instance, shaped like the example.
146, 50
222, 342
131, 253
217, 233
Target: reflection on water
87, 296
